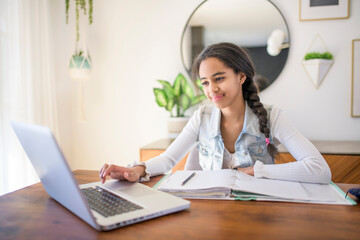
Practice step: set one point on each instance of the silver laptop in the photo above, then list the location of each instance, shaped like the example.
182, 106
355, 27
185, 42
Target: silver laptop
103, 206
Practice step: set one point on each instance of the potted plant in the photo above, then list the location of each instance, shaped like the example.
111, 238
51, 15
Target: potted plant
80, 66
80, 61
176, 99
317, 65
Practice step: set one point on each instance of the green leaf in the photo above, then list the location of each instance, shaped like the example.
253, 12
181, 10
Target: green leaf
197, 99
327, 55
170, 105
169, 91
198, 84
187, 89
165, 83
317, 55
185, 102
177, 84
160, 97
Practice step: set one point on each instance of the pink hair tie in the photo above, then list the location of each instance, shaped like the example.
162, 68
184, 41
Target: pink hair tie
267, 141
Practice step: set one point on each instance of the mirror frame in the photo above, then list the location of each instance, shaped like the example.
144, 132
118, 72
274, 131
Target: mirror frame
203, 2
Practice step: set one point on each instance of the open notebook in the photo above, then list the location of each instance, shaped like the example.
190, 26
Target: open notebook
235, 185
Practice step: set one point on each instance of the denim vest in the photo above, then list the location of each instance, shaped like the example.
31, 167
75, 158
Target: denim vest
250, 145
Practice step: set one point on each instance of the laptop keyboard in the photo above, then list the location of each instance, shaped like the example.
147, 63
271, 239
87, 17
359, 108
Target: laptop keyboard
107, 203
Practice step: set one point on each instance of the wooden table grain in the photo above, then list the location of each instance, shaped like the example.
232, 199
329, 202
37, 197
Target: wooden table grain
30, 213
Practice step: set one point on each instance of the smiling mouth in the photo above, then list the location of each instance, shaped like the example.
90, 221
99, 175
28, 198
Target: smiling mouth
217, 98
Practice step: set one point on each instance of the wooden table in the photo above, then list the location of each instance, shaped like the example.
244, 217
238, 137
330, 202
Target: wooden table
31, 214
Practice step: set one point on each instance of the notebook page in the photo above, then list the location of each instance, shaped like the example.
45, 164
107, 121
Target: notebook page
319, 193
276, 188
202, 180
323, 192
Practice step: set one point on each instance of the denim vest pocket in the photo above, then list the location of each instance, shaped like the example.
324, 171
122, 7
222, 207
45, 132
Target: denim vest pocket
258, 149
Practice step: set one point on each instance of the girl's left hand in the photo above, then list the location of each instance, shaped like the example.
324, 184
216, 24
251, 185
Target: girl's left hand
247, 170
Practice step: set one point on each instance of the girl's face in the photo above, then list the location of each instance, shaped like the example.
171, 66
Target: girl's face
221, 84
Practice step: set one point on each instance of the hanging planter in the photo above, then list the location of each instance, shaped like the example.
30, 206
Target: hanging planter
80, 63
317, 66
80, 67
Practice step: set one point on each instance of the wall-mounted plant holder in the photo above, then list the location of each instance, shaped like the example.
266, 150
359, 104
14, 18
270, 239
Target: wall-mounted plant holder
317, 69
318, 61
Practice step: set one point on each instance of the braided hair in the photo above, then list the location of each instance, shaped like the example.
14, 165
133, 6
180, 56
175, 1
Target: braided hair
239, 60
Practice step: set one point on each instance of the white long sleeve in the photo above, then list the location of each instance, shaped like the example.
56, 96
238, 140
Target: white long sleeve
177, 150
310, 165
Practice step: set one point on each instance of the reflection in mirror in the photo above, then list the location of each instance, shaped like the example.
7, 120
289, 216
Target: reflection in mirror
248, 24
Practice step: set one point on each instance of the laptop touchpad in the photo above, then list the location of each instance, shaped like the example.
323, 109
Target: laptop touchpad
136, 191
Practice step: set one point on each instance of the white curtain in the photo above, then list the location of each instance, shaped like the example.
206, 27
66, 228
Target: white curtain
27, 87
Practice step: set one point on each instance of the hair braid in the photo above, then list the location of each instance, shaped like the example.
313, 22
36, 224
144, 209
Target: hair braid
252, 98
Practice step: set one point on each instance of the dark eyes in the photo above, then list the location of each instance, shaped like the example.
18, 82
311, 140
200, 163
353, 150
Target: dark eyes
218, 79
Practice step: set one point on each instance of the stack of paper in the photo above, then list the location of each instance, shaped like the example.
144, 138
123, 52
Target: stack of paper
232, 184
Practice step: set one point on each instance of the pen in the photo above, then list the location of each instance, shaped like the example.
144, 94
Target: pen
186, 180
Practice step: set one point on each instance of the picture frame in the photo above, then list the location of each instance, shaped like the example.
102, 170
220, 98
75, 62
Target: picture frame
355, 79
315, 10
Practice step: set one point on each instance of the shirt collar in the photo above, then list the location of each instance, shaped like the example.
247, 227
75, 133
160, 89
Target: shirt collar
215, 122
251, 122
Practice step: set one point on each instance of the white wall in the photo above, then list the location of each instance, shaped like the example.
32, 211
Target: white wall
322, 114
134, 43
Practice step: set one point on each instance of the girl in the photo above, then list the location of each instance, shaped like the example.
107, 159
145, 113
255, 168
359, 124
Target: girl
237, 131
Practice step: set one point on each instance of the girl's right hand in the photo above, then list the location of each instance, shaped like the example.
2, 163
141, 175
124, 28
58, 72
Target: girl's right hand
121, 173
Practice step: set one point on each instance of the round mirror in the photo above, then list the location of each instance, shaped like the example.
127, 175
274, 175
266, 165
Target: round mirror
256, 25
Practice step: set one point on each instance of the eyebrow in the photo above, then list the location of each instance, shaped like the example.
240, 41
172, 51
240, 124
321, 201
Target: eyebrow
214, 75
